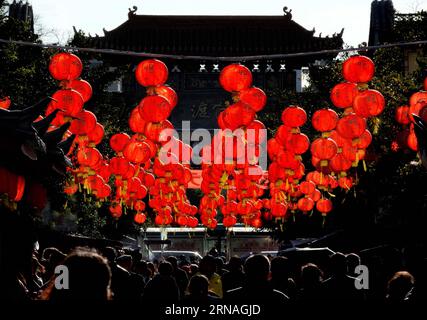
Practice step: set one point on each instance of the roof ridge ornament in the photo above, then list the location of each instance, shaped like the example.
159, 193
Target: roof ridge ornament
288, 13
132, 12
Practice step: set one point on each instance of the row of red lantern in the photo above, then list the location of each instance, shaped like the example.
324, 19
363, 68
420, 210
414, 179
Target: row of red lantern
403, 115
171, 156
230, 161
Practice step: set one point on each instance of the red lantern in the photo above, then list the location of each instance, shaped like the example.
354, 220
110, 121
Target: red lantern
298, 143
324, 148
256, 133
5, 103
340, 163
415, 109
237, 115
83, 87
116, 210
254, 97
119, 141
96, 135
154, 108
85, 123
305, 204
316, 195
286, 159
364, 140
137, 152
89, 157
294, 116
65, 66
324, 206
307, 187
229, 221
139, 218
358, 69
324, 120
369, 103
136, 122
153, 130
343, 94
345, 183
412, 141
71, 189
235, 77
351, 126
402, 115
168, 93
418, 97
152, 72
69, 101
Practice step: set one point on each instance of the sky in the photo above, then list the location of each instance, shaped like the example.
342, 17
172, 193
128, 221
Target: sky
56, 18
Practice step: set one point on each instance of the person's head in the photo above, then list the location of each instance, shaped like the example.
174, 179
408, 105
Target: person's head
338, 264
125, 262
235, 264
198, 286
257, 268
194, 268
353, 260
311, 275
400, 285
207, 266
173, 261
165, 268
89, 277
219, 264
280, 267
110, 253
151, 267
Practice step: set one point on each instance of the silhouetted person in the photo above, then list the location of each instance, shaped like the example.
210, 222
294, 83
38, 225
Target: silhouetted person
340, 286
180, 275
136, 281
220, 266
121, 285
280, 277
163, 287
235, 277
51, 257
311, 283
198, 291
400, 288
89, 278
207, 267
194, 268
256, 287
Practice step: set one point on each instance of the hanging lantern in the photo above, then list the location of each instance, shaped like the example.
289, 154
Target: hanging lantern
5, 103
116, 210
235, 77
324, 148
89, 157
151, 73
418, 97
139, 218
81, 86
294, 116
136, 122
339, 163
96, 135
351, 126
415, 109
343, 94
412, 141
298, 143
168, 93
119, 141
65, 66
256, 133
254, 97
307, 187
369, 103
154, 109
238, 114
305, 204
154, 130
324, 206
324, 120
137, 152
402, 115
69, 101
358, 69
365, 140
85, 123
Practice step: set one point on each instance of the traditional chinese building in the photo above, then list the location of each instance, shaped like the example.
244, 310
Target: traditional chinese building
388, 26
22, 11
196, 80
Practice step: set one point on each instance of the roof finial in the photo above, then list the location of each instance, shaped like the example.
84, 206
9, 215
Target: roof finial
288, 13
132, 12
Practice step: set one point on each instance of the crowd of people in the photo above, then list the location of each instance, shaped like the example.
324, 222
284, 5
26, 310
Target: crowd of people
111, 274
